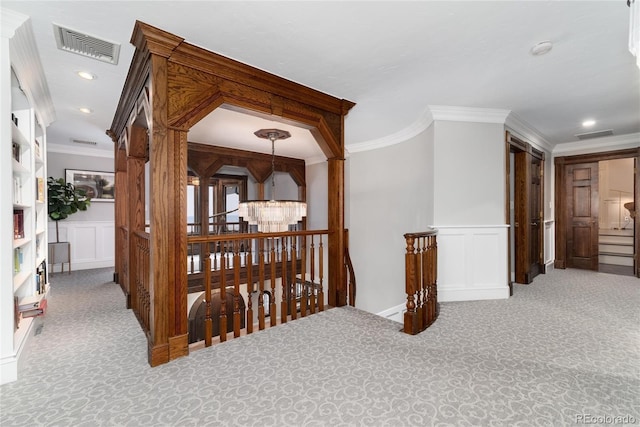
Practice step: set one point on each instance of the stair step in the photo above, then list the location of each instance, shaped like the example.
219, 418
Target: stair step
616, 259
611, 232
616, 254
616, 249
615, 240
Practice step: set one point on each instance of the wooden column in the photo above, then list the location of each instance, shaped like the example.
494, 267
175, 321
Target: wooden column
178, 319
161, 210
121, 220
337, 289
136, 200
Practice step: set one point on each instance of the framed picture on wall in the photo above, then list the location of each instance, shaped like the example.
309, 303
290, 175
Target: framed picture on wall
100, 186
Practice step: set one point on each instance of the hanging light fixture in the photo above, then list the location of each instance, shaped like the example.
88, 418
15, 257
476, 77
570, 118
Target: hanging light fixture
272, 215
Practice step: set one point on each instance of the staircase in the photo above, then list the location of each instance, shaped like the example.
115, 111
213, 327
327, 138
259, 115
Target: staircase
616, 247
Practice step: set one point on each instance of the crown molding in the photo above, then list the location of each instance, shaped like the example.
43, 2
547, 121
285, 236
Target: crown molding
468, 114
596, 145
525, 131
78, 151
420, 125
428, 116
10, 21
25, 60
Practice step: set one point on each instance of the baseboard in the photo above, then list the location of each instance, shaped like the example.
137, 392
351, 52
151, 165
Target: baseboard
86, 265
9, 364
549, 266
395, 313
467, 294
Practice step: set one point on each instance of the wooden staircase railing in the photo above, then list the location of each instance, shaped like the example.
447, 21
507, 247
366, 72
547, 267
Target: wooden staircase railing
288, 267
349, 272
140, 268
285, 273
421, 271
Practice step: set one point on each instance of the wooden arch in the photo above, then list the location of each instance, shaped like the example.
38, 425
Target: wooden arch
172, 85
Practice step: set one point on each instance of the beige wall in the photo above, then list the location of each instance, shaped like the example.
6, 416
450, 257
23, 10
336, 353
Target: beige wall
390, 193
469, 173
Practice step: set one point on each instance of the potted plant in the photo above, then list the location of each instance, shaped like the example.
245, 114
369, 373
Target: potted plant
63, 200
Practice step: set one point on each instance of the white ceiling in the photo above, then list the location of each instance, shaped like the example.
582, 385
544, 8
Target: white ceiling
393, 59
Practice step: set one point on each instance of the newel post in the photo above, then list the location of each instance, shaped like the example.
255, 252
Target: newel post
411, 316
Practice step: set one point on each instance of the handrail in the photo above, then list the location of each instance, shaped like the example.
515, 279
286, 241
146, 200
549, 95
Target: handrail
432, 232
421, 271
247, 236
351, 284
350, 272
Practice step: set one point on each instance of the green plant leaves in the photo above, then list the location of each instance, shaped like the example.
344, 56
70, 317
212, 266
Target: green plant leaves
64, 199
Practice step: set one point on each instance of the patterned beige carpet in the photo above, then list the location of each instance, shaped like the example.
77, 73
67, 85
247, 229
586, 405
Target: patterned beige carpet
564, 350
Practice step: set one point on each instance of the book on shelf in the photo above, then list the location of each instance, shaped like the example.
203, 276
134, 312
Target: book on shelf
15, 150
40, 189
37, 148
17, 260
27, 303
41, 278
17, 190
16, 314
18, 224
38, 310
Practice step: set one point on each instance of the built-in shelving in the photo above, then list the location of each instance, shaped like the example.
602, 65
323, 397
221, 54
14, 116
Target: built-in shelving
25, 112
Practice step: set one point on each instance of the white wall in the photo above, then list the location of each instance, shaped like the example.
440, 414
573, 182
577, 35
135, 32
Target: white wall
469, 173
615, 188
390, 194
91, 233
469, 210
317, 196
56, 165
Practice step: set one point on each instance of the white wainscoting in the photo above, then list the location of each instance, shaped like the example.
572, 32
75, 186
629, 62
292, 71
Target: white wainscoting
395, 313
472, 262
92, 243
549, 244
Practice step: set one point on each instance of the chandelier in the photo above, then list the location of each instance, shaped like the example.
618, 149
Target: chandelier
272, 215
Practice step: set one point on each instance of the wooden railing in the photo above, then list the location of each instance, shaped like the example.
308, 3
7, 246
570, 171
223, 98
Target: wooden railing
139, 268
289, 267
350, 273
123, 261
421, 271
195, 228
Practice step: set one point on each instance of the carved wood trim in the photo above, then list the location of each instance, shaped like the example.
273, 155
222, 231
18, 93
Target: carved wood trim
173, 84
208, 159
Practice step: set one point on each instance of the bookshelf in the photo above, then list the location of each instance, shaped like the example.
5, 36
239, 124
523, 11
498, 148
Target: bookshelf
25, 114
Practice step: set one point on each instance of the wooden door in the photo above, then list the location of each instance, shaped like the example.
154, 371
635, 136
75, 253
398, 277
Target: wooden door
582, 215
535, 261
528, 216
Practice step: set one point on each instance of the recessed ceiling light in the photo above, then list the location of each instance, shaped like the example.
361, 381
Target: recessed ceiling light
588, 123
86, 75
541, 48
85, 110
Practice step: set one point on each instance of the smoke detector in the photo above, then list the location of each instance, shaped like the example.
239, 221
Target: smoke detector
541, 48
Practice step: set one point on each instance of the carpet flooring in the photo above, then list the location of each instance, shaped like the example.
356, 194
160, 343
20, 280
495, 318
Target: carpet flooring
564, 350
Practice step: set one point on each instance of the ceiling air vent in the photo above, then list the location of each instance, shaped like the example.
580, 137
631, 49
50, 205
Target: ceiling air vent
86, 45
595, 134
81, 141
